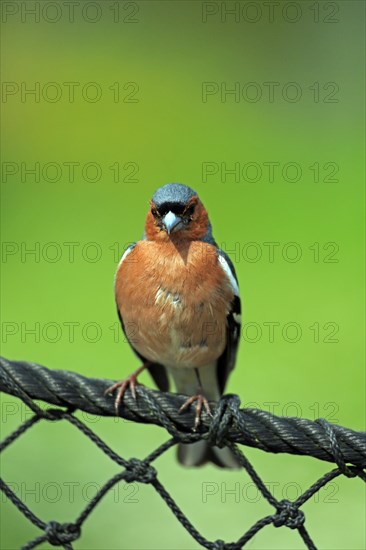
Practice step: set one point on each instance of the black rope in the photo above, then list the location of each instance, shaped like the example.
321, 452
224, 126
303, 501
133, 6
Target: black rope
229, 425
251, 427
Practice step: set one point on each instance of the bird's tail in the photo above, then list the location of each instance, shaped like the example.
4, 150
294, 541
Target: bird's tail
200, 452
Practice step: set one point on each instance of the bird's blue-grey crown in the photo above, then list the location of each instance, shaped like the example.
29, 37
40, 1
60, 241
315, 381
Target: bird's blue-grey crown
173, 193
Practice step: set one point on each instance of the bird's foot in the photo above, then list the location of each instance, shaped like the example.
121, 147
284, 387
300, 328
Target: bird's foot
201, 401
129, 382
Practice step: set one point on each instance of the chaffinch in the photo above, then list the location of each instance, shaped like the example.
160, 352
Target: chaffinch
178, 302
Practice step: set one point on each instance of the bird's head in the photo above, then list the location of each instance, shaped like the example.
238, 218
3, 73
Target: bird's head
176, 213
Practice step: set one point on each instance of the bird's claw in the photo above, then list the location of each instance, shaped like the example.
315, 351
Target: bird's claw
201, 401
130, 382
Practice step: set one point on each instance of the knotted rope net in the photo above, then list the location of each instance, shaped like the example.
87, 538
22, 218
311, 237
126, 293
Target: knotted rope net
69, 392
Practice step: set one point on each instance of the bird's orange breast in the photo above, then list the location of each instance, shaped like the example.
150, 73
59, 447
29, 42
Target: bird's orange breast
174, 300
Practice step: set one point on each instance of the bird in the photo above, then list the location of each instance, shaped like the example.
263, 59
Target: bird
178, 302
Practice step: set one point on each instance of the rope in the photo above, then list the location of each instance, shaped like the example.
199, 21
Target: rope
251, 427
228, 426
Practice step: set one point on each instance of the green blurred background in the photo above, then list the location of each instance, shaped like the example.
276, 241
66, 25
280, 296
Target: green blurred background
163, 127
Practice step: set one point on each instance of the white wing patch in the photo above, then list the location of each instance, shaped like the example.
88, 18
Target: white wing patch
229, 273
237, 318
125, 254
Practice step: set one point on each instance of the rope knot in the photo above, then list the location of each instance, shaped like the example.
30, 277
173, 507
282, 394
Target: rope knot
219, 545
335, 448
59, 534
53, 414
288, 514
138, 470
227, 411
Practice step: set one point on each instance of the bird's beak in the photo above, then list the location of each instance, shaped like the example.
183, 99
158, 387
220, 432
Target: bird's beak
170, 221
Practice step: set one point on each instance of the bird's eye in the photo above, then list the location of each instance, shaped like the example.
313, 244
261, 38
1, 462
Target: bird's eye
189, 211
154, 212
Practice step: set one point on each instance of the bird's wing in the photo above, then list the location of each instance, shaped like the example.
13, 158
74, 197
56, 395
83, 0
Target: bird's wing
157, 371
226, 361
